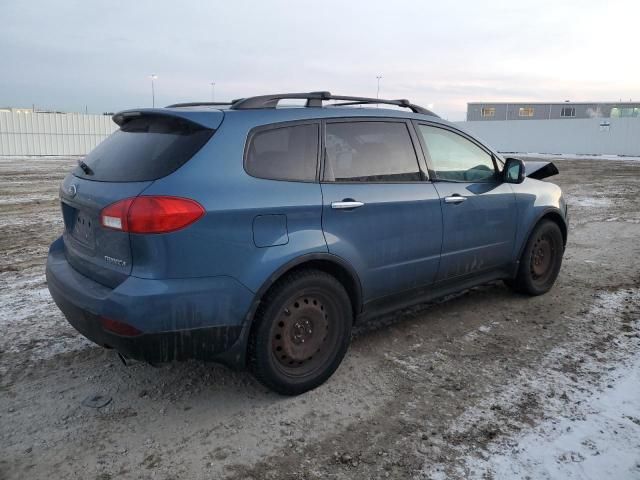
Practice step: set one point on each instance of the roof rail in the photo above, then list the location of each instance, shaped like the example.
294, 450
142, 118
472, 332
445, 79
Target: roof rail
315, 99
198, 104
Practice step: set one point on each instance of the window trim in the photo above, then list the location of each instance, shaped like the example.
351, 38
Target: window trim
274, 126
420, 162
432, 172
572, 109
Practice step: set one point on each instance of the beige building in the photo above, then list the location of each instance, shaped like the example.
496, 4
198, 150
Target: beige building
15, 110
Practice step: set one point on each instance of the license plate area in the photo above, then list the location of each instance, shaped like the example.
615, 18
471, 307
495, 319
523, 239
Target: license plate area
83, 228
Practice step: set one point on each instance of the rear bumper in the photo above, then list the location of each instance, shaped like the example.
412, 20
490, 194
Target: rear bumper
201, 318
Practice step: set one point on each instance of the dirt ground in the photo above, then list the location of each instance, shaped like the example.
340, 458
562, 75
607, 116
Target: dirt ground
487, 384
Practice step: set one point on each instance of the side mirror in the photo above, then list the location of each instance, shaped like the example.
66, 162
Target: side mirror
513, 171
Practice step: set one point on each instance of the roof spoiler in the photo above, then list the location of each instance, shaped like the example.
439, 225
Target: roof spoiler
211, 119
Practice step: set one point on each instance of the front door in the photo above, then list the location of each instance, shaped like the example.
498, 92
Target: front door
478, 209
378, 212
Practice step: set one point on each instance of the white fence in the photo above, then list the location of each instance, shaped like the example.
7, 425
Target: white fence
77, 134
52, 133
608, 136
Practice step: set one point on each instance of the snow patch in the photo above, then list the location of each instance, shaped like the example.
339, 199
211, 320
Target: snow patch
604, 443
574, 156
588, 430
587, 201
30, 320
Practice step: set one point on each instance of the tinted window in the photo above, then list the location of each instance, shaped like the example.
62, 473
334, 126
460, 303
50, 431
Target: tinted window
370, 152
286, 153
453, 157
145, 148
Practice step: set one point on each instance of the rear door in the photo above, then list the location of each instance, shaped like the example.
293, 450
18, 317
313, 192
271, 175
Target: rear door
479, 212
379, 213
147, 147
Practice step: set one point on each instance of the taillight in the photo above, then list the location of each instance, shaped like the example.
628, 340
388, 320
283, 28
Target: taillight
115, 215
119, 328
151, 214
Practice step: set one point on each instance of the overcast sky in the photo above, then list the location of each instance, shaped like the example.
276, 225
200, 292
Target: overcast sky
66, 55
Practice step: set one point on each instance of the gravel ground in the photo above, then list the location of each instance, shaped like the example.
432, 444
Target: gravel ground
487, 384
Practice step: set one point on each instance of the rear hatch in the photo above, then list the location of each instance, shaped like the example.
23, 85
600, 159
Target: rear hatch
149, 145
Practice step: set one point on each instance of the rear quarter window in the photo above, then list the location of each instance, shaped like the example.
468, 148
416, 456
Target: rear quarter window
284, 153
145, 148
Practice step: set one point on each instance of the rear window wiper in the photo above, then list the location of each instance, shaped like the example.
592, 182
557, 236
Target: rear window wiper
85, 168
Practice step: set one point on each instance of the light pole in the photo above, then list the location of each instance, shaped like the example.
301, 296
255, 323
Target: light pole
213, 91
378, 77
153, 77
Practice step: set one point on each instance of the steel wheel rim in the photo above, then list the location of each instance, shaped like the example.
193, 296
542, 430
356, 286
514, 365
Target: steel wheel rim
542, 258
303, 336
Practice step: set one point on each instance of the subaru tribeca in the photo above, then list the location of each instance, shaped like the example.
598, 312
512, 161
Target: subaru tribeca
256, 234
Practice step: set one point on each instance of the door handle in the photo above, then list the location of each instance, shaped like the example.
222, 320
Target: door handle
454, 199
346, 205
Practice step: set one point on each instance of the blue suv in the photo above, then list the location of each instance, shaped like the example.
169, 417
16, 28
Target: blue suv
256, 234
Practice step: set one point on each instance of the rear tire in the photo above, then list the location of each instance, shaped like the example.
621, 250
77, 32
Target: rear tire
541, 260
301, 332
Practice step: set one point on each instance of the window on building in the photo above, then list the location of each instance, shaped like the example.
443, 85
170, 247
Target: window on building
625, 112
568, 112
488, 112
284, 153
370, 152
525, 112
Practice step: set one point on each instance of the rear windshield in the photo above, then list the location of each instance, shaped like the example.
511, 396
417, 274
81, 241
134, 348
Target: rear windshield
145, 148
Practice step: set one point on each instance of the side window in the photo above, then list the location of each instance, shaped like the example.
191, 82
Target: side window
370, 152
284, 153
453, 157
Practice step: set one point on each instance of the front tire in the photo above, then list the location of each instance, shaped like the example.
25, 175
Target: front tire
301, 332
541, 260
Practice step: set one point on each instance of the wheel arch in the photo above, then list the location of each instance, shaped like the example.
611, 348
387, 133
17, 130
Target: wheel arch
555, 216
326, 262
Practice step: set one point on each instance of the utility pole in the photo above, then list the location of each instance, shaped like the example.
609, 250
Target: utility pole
378, 77
213, 91
153, 77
